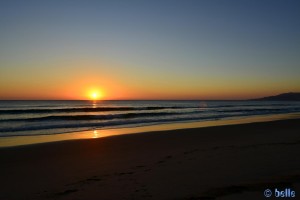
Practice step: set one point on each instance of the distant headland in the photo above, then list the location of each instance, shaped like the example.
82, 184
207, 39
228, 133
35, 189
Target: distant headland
291, 96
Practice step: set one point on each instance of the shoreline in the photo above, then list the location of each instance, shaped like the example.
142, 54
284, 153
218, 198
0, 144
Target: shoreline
221, 162
14, 141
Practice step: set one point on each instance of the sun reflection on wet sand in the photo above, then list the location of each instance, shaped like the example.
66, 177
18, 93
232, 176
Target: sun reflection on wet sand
95, 134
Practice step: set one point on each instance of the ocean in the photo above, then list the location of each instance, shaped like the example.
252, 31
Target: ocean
22, 118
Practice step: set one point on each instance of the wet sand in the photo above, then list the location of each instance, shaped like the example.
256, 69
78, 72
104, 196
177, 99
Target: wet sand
223, 162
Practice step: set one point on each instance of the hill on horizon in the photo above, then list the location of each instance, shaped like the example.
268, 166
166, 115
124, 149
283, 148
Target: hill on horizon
291, 96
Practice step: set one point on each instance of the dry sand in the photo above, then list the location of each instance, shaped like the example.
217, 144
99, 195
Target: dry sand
224, 162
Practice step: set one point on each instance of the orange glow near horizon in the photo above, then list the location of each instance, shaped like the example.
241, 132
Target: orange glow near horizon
84, 85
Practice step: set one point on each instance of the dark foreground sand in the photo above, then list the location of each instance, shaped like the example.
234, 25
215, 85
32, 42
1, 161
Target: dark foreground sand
226, 162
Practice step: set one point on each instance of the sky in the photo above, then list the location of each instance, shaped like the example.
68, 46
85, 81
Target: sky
165, 49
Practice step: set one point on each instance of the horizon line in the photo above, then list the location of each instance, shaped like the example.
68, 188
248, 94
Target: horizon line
126, 99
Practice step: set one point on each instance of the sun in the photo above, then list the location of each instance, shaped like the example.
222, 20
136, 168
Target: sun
95, 95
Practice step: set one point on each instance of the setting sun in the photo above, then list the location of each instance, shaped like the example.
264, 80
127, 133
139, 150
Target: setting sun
95, 95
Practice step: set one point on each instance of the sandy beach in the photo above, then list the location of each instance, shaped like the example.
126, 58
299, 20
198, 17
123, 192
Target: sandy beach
223, 162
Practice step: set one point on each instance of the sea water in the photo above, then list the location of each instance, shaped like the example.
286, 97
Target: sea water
21, 118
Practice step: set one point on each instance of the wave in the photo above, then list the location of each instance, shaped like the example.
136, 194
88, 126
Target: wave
254, 110
92, 125
95, 117
87, 109
84, 117
123, 122
122, 108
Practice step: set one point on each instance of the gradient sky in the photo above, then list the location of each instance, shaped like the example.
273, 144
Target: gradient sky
164, 49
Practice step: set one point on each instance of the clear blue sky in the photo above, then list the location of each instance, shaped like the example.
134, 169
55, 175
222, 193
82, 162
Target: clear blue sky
150, 49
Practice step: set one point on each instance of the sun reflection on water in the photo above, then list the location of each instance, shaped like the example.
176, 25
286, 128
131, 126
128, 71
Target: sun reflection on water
94, 104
